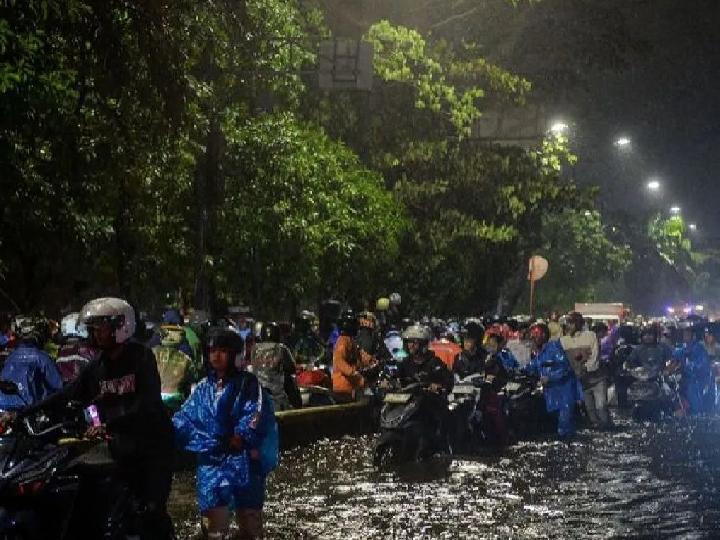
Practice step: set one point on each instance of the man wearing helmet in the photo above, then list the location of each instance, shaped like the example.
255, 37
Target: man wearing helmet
472, 358
123, 382
649, 353
560, 385
475, 359
583, 351
349, 359
30, 367
421, 364
272, 362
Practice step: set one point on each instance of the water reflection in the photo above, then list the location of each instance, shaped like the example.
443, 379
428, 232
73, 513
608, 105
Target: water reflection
638, 480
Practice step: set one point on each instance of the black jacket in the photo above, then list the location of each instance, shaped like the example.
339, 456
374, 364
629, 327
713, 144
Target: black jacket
467, 364
126, 391
430, 370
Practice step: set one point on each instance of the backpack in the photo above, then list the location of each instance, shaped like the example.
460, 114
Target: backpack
270, 446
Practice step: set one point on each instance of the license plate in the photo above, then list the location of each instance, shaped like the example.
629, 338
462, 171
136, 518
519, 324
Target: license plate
512, 386
397, 398
463, 390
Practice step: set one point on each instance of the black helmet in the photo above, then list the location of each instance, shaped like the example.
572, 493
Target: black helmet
270, 332
304, 321
473, 330
575, 319
34, 330
348, 322
219, 337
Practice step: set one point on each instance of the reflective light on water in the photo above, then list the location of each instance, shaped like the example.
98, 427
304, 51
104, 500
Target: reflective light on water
635, 481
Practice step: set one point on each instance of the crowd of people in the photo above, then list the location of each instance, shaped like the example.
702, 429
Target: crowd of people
222, 380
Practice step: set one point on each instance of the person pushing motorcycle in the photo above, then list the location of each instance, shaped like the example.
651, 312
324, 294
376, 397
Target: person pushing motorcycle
123, 382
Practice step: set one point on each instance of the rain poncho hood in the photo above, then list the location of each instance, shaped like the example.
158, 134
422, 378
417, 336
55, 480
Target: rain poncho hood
34, 372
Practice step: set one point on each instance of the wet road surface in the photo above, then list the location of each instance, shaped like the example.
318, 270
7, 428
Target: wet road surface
643, 481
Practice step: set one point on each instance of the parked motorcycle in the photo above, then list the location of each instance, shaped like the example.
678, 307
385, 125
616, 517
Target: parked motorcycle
410, 425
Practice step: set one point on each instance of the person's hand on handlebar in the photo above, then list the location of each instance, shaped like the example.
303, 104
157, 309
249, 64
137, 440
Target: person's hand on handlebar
435, 388
96, 432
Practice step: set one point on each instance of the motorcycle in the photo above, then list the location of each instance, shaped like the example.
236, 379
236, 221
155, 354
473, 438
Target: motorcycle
410, 425
648, 395
525, 407
56, 485
466, 418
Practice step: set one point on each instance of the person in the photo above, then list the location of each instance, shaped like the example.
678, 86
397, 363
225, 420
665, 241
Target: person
713, 351
394, 343
176, 365
272, 363
472, 358
421, 364
349, 360
225, 421
305, 344
556, 329
368, 337
560, 385
583, 351
443, 347
495, 346
650, 353
30, 367
75, 351
123, 382
696, 386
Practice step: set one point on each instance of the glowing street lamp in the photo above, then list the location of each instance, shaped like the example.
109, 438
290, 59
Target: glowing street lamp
653, 185
623, 142
693, 227
559, 128
675, 210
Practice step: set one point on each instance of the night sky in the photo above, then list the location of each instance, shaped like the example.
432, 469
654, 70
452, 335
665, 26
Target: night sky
668, 102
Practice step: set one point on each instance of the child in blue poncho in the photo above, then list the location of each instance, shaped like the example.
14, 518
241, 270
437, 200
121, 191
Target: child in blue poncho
228, 421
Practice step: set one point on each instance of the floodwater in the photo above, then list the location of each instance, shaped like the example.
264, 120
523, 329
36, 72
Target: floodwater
649, 481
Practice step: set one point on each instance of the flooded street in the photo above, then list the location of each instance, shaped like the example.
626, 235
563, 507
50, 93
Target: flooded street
637, 481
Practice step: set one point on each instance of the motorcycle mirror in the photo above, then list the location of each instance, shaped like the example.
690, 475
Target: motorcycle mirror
9, 387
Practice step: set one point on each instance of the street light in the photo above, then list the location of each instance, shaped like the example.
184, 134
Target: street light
693, 227
653, 185
675, 210
558, 128
623, 142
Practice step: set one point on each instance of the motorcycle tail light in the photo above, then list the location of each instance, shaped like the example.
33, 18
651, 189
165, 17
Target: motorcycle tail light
30, 488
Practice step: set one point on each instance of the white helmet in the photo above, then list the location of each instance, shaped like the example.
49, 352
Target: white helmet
70, 326
117, 311
417, 332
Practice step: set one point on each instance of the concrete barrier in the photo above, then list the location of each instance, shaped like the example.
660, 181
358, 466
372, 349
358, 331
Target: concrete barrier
304, 426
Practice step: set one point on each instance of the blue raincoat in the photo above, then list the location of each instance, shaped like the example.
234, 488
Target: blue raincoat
697, 384
34, 372
508, 360
562, 390
204, 426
